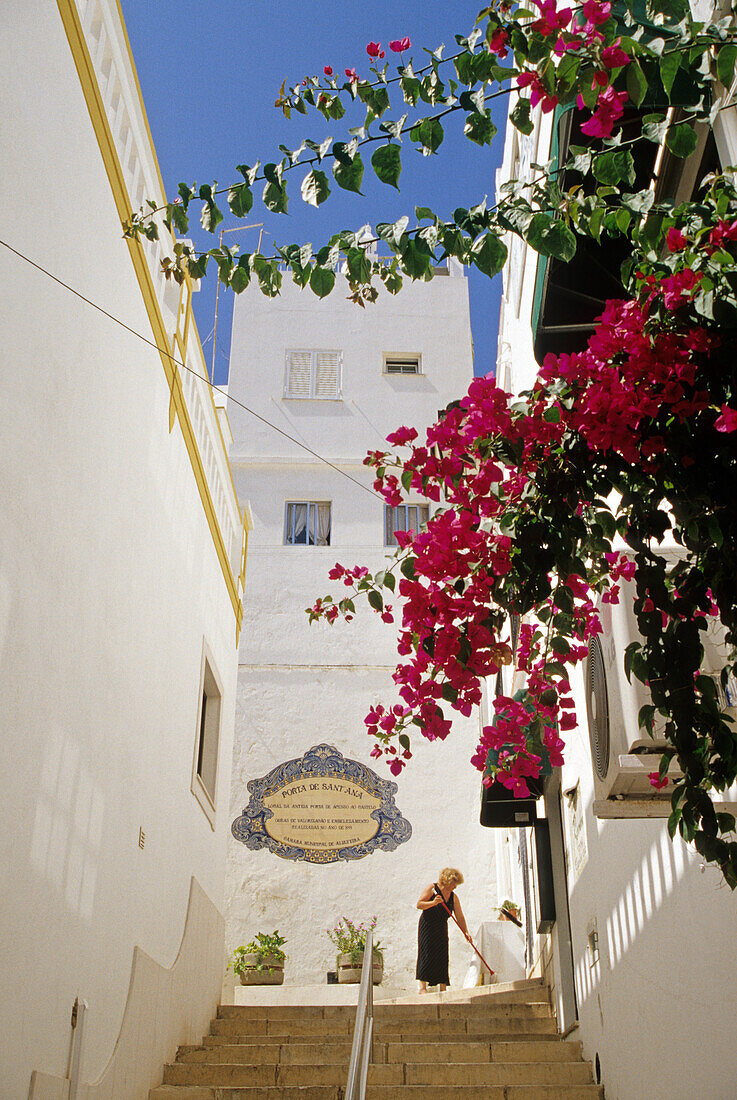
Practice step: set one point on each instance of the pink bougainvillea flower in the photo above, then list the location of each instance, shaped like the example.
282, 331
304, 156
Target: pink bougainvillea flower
597, 12
656, 781
723, 231
614, 56
351, 74
675, 240
609, 108
538, 91
727, 420
399, 45
676, 288
498, 42
328, 70
402, 437
551, 20
374, 49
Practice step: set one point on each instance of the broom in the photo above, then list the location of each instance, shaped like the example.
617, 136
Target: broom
473, 945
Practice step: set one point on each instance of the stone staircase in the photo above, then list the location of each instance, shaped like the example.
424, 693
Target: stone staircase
487, 1045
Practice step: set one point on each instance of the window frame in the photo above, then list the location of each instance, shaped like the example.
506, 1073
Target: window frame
211, 694
400, 357
309, 504
405, 504
312, 395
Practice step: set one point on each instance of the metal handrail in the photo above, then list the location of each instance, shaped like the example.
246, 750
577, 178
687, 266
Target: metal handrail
363, 1031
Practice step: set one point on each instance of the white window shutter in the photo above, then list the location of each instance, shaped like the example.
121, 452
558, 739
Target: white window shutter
327, 374
299, 370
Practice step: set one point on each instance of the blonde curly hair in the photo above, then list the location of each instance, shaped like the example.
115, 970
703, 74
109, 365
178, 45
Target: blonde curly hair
449, 876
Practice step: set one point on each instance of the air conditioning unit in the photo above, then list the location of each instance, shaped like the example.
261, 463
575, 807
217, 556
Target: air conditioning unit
622, 753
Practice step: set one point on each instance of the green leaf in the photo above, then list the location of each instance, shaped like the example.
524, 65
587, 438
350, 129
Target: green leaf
489, 254
322, 281
241, 277
375, 599
726, 59
407, 568
387, 164
240, 200
551, 238
429, 133
614, 166
390, 581
480, 128
359, 266
654, 128
348, 171
315, 188
636, 82
681, 140
275, 198
520, 116
417, 259
669, 65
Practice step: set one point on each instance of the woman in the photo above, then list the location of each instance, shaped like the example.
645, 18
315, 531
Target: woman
437, 902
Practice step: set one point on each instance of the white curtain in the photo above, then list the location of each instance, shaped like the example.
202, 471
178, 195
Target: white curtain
320, 524
296, 523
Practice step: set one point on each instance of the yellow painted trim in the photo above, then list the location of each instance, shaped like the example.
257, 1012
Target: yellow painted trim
100, 123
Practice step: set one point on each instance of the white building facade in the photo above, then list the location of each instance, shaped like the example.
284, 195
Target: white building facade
121, 545
637, 958
338, 380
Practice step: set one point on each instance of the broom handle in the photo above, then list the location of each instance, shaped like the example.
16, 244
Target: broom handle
473, 945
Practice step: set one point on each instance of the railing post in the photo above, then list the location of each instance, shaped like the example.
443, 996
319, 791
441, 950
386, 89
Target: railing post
363, 1031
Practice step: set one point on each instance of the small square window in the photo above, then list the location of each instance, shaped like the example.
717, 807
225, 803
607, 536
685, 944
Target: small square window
207, 742
307, 523
402, 364
406, 517
313, 375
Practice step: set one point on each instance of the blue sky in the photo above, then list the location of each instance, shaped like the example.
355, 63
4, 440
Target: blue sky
210, 72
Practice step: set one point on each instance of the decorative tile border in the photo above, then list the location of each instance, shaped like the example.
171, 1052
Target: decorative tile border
306, 777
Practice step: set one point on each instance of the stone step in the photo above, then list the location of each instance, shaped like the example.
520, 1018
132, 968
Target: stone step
530, 989
313, 1053
340, 1015
381, 1092
458, 1027
418, 1073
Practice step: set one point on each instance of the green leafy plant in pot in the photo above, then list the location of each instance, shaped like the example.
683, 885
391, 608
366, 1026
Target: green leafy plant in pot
260, 962
350, 939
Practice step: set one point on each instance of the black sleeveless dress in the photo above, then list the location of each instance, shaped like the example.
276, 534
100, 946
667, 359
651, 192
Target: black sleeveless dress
432, 943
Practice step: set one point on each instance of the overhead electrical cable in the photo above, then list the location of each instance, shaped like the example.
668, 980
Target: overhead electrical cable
179, 363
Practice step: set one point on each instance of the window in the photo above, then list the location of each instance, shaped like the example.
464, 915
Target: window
207, 742
313, 375
402, 364
407, 517
307, 524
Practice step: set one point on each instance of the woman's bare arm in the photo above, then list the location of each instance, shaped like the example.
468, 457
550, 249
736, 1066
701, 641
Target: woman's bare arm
427, 900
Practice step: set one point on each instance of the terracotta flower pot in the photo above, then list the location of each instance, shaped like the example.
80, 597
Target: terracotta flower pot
271, 972
349, 970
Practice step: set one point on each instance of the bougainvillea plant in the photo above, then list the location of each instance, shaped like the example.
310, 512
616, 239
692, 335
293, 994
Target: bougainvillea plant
547, 502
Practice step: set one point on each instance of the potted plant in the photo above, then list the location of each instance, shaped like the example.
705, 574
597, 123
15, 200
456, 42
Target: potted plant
350, 939
510, 910
260, 962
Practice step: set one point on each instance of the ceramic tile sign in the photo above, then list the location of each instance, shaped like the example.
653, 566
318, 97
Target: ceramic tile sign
321, 808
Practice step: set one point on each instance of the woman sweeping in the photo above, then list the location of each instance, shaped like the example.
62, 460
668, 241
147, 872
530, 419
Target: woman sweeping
437, 902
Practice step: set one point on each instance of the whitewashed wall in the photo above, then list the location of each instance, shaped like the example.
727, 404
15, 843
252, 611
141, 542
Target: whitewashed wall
301, 685
109, 585
658, 1007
